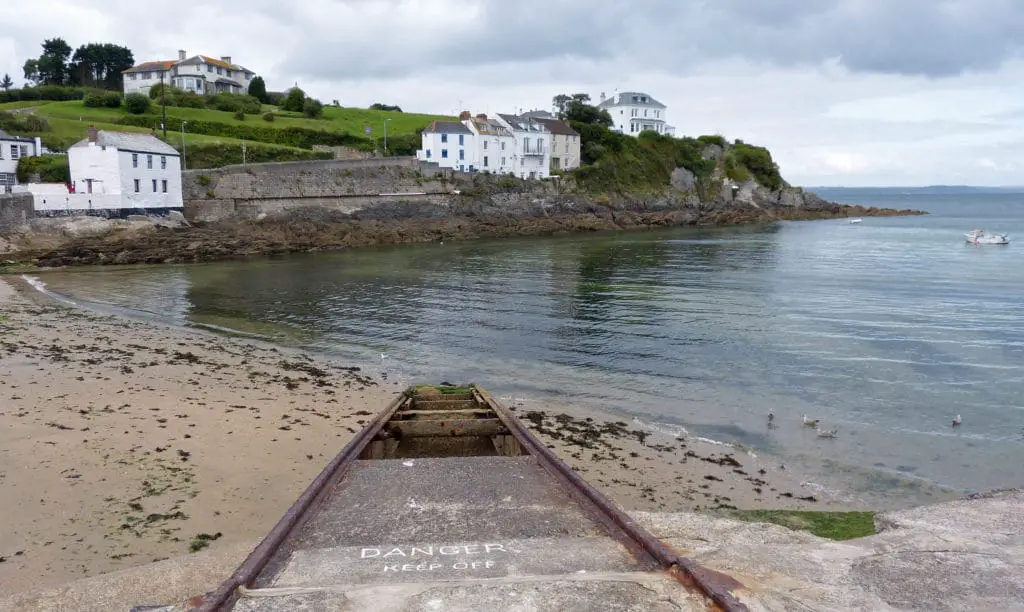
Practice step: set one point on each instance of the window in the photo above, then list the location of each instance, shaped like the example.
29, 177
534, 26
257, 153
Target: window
24, 150
540, 145
131, 77
645, 112
462, 139
154, 185
1, 152
163, 162
444, 153
485, 161
135, 161
485, 145
502, 146
428, 153
522, 161
209, 68
502, 161
149, 162
219, 70
136, 185
14, 151
444, 137
462, 154
163, 185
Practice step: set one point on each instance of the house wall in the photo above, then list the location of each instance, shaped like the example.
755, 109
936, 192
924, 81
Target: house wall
436, 144
525, 163
624, 115
114, 173
140, 85
566, 150
26, 148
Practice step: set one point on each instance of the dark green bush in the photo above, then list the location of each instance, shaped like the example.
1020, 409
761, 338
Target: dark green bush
36, 124
93, 100
240, 116
136, 103
233, 103
50, 168
268, 117
312, 108
112, 99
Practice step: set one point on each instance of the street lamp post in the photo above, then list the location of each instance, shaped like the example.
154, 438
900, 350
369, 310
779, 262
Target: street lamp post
386, 137
184, 163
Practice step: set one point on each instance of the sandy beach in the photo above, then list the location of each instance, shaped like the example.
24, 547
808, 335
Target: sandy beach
123, 442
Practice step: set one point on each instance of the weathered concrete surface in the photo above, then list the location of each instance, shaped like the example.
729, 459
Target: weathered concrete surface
961, 555
170, 581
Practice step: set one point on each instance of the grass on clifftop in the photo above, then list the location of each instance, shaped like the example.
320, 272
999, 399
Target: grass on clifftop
831, 525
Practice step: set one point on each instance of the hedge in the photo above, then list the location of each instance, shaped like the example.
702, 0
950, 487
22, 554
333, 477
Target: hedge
51, 168
216, 155
303, 138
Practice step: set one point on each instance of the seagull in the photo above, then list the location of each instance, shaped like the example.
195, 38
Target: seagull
383, 356
771, 416
957, 420
828, 433
810, 422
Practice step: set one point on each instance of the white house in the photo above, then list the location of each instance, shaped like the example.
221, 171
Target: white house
13, 148
565, 141
532, 155
633, 112
121, 171
449, 144
495, 144
199, 74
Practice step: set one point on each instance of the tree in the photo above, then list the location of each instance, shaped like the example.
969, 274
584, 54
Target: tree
578, 109
6, 82
385, 107
560, 102
31, 69
100, 65
295, 100
52, 65
258, 89
313, 108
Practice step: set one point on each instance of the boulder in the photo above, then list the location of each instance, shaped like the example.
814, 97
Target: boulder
683, 180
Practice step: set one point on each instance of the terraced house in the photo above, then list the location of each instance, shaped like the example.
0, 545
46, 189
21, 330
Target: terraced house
13, 148
199, 74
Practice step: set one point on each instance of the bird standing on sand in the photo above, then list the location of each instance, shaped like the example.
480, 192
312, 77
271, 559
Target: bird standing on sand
810, 422
957, 420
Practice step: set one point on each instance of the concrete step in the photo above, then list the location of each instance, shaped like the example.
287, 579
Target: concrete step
636, 591
387, 563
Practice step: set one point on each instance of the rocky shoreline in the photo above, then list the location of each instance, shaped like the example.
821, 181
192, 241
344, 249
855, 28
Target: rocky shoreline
318, 229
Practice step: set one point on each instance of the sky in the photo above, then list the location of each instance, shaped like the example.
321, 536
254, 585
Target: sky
843, 92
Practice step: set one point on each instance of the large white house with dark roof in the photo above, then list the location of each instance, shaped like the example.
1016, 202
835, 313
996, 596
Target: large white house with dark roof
633, 112
449, 144
124, 171
198, 74
532, 156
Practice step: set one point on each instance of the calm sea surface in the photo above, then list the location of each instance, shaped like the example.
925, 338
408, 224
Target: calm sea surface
884, 329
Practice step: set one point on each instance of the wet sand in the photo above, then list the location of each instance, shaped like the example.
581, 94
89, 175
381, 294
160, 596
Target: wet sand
123, 442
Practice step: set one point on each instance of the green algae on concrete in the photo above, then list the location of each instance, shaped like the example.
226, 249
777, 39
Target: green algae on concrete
831, 525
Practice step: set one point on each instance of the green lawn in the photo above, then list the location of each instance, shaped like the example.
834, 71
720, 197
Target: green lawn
831, 525
351, 120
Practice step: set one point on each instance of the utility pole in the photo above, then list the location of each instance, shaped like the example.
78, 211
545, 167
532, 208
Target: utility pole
184, 163
243, 152
386, 137
163, 98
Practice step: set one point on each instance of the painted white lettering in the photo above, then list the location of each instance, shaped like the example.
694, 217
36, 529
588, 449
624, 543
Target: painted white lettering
472, 549
488, 563
390, 568
490, 547
408, 567
460, 565
477, 564
396, 552
428, 551
369, 552
448, 550
434, 566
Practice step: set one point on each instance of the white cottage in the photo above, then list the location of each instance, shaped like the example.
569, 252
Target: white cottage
633, 112
449, 144
495, 144
13, 148
126, 171
532, 155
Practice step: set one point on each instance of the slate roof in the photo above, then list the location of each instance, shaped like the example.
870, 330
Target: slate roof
151, 66
523, 123
447, 127
5, 136
539, 114
130, 141
556, 126
633, 98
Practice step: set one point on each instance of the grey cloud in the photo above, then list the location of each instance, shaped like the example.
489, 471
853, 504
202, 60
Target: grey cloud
906, 37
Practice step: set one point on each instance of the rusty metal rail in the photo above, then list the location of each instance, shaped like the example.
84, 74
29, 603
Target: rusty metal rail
718, 588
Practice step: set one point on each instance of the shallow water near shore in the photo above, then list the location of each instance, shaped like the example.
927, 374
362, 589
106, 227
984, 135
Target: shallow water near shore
884, 329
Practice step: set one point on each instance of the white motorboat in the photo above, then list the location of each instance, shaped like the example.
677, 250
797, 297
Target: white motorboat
980, 236
855, 220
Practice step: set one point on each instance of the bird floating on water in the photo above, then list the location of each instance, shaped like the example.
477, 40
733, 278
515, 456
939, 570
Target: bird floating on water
957, 420
810, 422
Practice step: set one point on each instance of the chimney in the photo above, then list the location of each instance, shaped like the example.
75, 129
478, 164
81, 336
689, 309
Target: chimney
93, 134
181, 55
464, 115
602, 97
226, 59
481, 117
